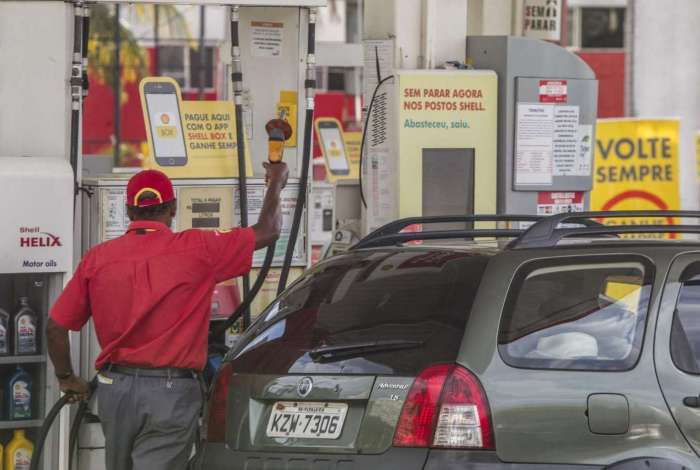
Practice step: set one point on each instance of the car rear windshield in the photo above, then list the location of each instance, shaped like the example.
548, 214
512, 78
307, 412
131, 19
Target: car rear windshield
371, 312
581, 314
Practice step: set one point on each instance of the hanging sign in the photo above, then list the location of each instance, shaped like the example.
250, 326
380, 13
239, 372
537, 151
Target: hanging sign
542, 19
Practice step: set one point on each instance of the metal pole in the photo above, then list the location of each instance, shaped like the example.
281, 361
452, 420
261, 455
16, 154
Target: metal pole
76, 90
237, 79
116, 76
202, 50
156, 40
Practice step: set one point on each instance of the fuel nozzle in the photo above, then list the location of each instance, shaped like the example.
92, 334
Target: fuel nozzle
278, 132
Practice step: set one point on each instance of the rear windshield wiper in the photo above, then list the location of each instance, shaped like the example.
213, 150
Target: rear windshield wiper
328, 353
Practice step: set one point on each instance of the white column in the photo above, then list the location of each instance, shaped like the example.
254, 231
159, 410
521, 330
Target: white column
427, 32
36, 40
666, 75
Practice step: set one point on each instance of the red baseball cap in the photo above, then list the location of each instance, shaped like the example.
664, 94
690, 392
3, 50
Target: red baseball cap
152, 181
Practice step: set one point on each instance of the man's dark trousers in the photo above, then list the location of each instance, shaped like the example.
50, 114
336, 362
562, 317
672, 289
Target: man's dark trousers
149, 423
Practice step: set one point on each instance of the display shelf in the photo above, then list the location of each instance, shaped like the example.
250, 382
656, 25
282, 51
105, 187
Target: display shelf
21, 424
22, 359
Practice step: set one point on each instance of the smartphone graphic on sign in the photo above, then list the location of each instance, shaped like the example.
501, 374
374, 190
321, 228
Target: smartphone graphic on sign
333, 146
163, 111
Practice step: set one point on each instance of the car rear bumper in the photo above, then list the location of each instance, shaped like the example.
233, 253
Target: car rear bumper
220, 457
484, 460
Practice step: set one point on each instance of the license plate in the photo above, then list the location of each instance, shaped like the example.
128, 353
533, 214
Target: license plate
310, 420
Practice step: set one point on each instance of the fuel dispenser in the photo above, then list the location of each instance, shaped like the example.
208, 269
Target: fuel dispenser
509, 131
548, 100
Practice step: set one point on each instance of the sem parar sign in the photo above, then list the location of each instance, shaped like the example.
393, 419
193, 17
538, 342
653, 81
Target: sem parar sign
636, 166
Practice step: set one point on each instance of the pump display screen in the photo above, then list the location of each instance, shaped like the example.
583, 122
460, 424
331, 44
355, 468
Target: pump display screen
166, 127
334, 149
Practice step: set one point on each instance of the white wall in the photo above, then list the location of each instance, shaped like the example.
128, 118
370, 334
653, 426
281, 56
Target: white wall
490, 17
666, 80
35, 50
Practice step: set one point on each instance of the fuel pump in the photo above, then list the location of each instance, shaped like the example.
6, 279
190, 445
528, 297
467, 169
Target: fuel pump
278, 130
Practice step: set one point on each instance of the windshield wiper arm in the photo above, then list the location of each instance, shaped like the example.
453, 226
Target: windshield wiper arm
327, 353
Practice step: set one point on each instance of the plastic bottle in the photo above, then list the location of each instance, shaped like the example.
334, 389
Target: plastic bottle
26, 327
18, 453
5, 334
19, 394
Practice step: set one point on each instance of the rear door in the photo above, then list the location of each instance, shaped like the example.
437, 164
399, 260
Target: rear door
677, 350
571, 378
329, 365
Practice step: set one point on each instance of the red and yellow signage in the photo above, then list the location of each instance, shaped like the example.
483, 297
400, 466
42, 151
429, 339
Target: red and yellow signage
636, 167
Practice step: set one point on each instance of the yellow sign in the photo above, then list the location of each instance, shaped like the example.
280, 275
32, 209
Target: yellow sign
447, 110
193, 139
636, 167
288, 104
341, 150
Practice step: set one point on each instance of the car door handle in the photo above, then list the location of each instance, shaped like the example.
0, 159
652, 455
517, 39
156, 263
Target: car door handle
692, 402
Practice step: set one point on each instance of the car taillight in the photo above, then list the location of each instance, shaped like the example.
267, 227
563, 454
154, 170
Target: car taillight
216, 416
446, 408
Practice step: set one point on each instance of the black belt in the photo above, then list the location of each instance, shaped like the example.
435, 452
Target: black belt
165, 372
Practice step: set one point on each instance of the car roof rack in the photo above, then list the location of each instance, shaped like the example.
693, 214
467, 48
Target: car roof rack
548, 232
390, 234
545, 231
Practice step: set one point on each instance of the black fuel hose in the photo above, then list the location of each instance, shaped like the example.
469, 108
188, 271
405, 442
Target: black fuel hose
44, 431
310, 85
75, 430
245, 304
51, 417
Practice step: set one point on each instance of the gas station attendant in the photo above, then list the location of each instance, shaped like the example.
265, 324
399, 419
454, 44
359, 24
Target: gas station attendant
149, 295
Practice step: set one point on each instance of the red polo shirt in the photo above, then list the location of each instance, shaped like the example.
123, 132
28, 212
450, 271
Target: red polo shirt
149, 292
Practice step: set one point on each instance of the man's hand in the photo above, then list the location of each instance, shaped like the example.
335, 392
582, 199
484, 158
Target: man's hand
276, 174
76, 388
269, 225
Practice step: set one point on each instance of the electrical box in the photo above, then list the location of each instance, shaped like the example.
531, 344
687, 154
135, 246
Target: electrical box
547, 109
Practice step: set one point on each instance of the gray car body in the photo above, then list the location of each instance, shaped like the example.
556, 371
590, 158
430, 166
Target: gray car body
541, 418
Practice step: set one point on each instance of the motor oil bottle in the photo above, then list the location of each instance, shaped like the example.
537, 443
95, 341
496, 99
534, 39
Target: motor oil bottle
19, 395
26, 329
5, 334
18, 452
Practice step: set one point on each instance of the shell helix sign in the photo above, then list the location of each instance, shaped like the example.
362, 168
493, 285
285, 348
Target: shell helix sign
636, 167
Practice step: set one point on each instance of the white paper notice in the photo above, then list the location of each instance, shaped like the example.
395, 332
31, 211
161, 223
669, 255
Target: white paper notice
534, 144
266, 38
288, 198
585, 150
115, 220
565, 141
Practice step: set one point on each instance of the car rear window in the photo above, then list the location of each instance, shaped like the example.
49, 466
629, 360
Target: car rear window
577, 314
418, 297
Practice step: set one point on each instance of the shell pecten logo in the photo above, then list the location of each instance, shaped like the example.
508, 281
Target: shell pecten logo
166, 131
